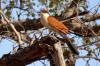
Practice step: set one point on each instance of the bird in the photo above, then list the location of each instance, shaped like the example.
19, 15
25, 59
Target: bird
55, 25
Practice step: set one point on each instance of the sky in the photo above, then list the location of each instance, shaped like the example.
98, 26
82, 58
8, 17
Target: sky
6, 46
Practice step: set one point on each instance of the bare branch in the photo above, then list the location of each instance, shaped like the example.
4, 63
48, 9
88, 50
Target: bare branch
88, 17
25, 56
31, 53
31, 25
13, 27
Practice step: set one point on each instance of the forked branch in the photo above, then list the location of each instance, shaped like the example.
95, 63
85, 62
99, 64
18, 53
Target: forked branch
13, 28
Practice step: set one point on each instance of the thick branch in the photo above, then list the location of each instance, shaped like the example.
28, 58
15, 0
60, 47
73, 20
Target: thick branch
29, 54
24, 57
58, 55
88, 18
35, 25
23, 25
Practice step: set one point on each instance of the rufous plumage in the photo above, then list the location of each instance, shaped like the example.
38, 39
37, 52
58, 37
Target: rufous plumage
55, 25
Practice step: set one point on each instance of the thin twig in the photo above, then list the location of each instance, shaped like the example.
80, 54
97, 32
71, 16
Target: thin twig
13, 28
89, 57
92, 43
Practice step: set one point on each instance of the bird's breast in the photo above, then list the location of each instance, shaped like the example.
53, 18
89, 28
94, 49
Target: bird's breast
44, 21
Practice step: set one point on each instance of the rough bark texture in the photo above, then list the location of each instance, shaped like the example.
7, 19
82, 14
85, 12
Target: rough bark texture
24, 56
58, 55
30, 54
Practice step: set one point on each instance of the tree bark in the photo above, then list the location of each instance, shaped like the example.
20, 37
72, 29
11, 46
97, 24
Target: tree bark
39, 50
25, 56
58, 57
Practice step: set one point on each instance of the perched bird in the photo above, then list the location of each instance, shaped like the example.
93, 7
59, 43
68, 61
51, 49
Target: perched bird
55, 25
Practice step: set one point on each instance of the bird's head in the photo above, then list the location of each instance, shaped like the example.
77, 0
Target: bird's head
44, 10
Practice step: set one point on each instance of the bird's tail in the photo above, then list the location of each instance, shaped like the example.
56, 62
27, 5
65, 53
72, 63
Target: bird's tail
71, 46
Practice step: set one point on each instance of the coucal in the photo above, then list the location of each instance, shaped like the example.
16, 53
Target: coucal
55, 25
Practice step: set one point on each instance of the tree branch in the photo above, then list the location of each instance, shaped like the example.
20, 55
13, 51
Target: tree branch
89, 18
35, 25
58, 55
12, 27
89, 57
25, 56
38, 50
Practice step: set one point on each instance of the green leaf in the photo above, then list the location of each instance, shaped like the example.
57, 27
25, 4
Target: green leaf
8, 13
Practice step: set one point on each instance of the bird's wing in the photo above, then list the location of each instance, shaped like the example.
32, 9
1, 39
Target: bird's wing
53, 22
